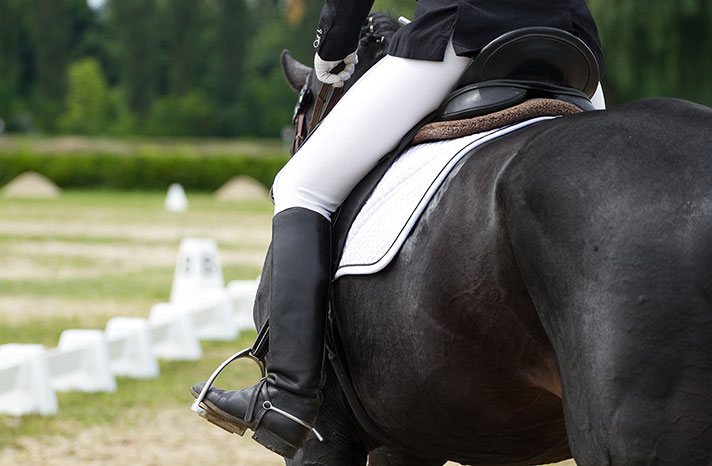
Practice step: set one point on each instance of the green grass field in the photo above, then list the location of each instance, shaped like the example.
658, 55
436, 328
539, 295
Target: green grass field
76, 261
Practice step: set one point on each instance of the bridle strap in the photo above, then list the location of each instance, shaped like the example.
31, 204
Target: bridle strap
325, 101
324, 105
319, 106
335, 97
300, 132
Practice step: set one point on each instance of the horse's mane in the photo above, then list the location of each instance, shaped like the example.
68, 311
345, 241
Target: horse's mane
376, 33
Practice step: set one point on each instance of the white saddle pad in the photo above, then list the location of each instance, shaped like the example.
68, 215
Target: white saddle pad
387, 217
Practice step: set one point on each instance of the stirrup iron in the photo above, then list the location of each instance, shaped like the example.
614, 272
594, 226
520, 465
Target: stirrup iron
246, 353
256, 353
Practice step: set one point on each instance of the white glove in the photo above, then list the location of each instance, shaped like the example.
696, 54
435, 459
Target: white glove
323, 69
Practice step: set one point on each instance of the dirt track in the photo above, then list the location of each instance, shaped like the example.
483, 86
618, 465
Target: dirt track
173, 437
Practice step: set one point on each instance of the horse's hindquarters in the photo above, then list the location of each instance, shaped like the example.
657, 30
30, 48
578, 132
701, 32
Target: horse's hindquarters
611, 220
444, 346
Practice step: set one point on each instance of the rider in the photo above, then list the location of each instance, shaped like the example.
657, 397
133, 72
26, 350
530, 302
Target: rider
425, 59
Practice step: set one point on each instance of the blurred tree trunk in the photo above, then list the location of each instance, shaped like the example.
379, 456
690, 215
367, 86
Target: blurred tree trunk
15, 55
135, 24
184, 29
49, 26
234, 27
50, 33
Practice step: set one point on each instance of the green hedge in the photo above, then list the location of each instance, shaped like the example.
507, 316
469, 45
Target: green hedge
140, 170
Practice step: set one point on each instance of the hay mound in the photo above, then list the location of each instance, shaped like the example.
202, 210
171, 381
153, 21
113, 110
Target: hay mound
242, 188
31, 185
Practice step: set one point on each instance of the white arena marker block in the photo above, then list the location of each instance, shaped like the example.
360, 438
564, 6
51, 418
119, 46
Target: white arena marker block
25, 386
213, 316
176, 200
197, 270
81, 362
242, 293
131, 348
173, 334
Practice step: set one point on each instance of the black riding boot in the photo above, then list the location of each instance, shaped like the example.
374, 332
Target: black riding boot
282, 408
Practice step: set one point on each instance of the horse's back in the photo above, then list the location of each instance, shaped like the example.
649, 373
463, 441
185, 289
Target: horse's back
610, 218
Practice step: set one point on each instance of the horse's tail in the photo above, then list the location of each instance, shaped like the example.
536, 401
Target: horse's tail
610, 215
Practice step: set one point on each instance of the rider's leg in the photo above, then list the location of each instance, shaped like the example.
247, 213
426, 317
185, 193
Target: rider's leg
298, 293
368, 122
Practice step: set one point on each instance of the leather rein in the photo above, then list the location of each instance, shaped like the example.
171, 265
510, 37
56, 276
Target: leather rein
325, 101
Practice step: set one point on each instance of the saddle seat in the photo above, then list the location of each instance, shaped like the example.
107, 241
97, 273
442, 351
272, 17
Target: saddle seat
534, 62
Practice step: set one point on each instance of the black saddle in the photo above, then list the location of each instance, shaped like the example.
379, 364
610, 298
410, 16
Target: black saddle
541, 54
520, 65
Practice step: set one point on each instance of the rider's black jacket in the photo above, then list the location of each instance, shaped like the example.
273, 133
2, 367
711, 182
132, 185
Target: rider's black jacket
471, 23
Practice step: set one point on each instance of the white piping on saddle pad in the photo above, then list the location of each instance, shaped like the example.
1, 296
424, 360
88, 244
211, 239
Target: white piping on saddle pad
380, 229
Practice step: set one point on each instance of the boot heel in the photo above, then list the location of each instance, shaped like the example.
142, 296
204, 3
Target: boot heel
274, 443
228, 426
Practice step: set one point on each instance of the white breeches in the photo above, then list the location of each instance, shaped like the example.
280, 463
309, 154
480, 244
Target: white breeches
368, 122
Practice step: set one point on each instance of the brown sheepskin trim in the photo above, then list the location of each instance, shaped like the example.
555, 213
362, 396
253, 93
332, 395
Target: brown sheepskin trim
530, 109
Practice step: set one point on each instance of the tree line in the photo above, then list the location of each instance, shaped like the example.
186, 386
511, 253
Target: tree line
211, 67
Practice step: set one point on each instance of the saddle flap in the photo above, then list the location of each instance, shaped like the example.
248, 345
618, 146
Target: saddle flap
544, 54
481, 100
488, 97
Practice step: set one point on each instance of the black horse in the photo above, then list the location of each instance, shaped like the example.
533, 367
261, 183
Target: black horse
554, 300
